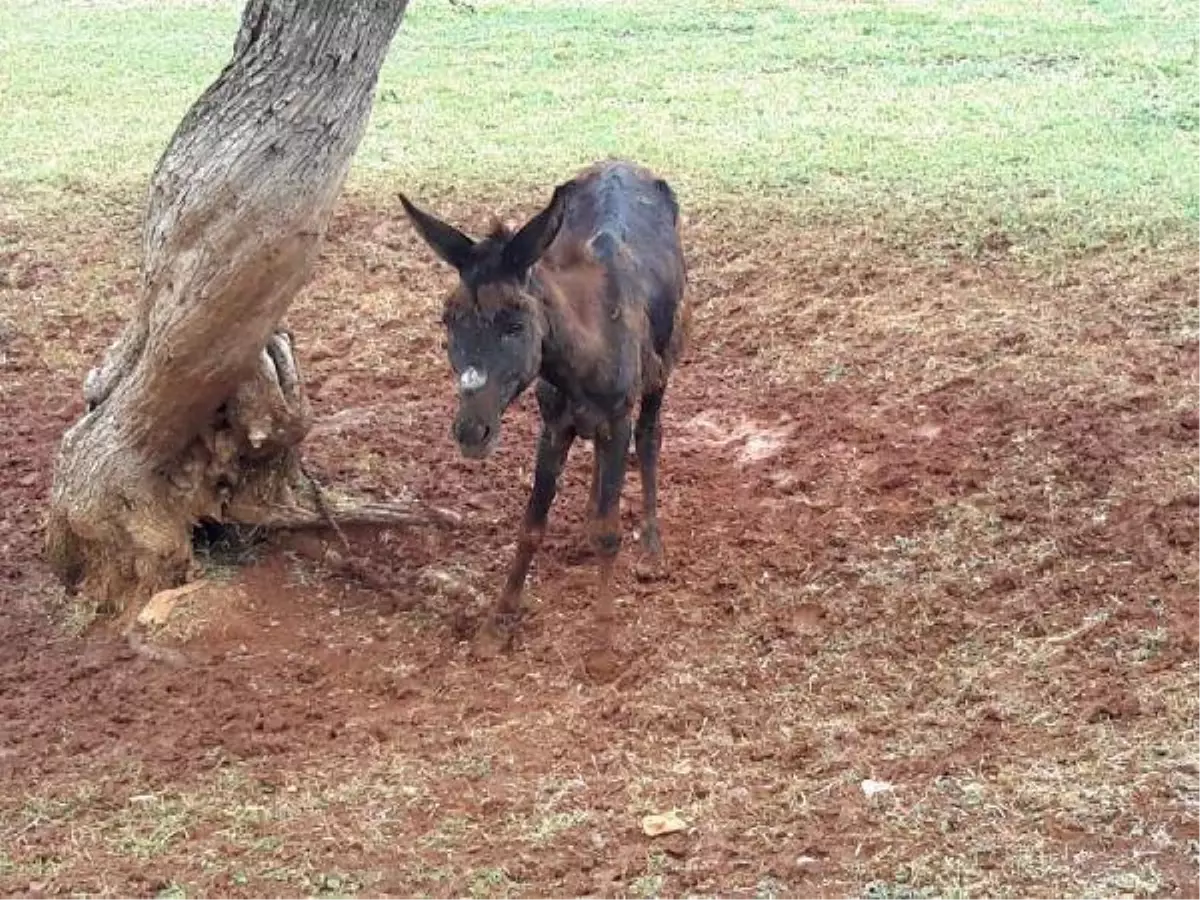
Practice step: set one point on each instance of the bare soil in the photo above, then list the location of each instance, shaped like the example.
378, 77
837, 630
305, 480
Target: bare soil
931, 523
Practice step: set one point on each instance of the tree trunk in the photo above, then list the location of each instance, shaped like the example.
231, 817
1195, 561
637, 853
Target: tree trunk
199, 406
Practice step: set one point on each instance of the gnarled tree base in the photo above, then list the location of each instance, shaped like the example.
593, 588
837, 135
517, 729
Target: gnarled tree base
198, 410
126, 531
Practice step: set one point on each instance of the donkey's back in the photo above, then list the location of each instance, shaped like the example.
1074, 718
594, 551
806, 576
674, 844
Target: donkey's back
627, 219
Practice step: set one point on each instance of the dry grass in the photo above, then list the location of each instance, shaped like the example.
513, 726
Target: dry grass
1006, 650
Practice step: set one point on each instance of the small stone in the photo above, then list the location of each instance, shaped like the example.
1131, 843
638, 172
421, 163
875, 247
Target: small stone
662, 823
158, 609
871, 787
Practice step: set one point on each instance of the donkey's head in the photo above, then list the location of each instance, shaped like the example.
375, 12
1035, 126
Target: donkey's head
494, 317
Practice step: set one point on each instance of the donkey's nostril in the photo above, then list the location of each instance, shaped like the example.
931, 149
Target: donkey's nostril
472, 434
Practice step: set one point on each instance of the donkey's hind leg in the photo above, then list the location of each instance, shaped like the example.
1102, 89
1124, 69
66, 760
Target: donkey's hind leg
612, 453
648, 435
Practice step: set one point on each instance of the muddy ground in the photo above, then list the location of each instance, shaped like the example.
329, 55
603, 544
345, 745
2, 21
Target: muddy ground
930, 522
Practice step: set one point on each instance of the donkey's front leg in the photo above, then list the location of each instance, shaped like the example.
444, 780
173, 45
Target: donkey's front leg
612, 452
553, 447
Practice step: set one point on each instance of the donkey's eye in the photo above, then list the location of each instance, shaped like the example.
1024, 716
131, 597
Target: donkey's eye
512, 328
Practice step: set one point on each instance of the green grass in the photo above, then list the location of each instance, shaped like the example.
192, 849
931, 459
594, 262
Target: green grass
1062, 123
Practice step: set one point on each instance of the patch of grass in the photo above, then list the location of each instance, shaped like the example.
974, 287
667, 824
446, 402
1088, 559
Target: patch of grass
551, 825
995, 124
100, 106
151, 825
333, 884
226, 826
490, 882
76, 613
448, 833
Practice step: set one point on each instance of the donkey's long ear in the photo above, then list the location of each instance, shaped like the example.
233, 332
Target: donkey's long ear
528, 244
447, 241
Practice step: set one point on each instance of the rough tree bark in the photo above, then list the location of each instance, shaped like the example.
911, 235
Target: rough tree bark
197, 410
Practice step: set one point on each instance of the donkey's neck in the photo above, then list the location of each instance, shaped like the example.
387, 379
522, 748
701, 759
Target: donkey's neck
574, 343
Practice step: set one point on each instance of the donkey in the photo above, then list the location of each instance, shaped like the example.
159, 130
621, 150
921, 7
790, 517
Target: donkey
587, 297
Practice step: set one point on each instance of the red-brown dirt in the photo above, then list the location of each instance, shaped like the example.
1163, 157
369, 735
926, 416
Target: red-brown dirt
928, 523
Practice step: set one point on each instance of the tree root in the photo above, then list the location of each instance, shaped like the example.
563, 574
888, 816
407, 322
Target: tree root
340, 512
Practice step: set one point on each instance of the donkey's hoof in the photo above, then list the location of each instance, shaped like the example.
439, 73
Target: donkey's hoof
602, 664
650, 568
495, 636
651, 564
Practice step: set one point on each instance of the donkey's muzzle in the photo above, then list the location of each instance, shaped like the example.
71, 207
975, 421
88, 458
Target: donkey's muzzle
475, 438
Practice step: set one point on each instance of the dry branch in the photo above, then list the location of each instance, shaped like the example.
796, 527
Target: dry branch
341, 512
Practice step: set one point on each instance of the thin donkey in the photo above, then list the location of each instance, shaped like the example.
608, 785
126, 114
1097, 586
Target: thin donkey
588, 297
